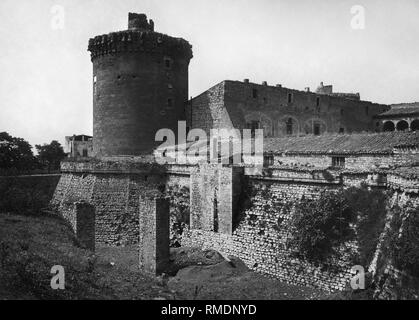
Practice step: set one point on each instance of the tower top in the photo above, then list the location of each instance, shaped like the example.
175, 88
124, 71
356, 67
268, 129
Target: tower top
138, 21
140, 37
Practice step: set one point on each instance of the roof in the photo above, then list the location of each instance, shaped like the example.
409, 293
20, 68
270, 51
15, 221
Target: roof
361, 143
403, 109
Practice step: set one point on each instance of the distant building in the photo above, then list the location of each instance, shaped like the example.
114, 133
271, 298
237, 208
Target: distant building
401, 117
79, 146
328, 90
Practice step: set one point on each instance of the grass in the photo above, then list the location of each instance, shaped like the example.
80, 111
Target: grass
30, 246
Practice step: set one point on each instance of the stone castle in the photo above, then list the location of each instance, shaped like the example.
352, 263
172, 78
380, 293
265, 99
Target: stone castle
314, 141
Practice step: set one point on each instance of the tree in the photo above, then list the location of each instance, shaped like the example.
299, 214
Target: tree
15, 154
50, 155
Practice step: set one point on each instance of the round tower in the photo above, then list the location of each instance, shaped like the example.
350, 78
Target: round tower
140, 85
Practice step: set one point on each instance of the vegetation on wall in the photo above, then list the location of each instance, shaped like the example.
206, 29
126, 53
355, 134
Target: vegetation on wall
179, 213
321, 225
369, 206
405, 248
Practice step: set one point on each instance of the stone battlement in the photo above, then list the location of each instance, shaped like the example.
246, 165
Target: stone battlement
140, 37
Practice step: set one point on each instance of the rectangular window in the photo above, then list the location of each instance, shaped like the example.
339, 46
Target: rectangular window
215, 204
268, 160
254, 93
338, 162
94, 84
318, 101
316, 129
366, 110
84, 153
170, 103
253, 127
167, 63
290, 98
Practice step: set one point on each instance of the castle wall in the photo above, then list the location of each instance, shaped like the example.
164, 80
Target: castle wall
352, 162
260, 239
114, 188
237, 104
258, 234
215, 192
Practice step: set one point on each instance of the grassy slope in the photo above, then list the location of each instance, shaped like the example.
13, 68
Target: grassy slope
30, 246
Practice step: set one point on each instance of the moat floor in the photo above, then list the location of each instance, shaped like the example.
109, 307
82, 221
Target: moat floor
196, 274
30, 246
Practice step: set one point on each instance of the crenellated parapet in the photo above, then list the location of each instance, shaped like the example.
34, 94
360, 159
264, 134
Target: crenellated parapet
139, 38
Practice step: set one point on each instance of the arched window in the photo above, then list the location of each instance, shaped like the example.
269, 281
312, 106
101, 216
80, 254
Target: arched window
388, 126
289, 124
402, 125
414, 126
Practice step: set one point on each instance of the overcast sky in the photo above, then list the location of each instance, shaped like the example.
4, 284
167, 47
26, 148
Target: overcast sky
45, 72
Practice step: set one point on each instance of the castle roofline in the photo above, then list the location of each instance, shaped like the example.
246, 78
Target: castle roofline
343, 144
246, 82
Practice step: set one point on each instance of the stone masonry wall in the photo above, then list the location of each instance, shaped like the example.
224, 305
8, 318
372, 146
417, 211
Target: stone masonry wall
114, 190
236, 104
215, 190
154, 234
352, 162
260, 239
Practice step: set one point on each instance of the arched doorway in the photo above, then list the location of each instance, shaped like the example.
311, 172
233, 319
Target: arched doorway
414, 126
402, 125
388, 126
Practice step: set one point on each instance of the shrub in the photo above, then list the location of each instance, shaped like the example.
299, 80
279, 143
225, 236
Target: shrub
26, 195
321, 225
369, 206
179, 213
406, 246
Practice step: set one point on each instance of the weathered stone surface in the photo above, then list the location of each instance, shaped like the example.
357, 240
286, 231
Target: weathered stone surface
140, 80
154, 252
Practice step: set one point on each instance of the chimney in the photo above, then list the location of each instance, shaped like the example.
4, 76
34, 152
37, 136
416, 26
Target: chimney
264, 83
279, 85
246, 80
307, 89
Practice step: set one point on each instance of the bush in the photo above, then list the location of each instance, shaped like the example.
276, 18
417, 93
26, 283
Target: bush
26, 195
369, 206
406, 247
321, 225
179, 213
